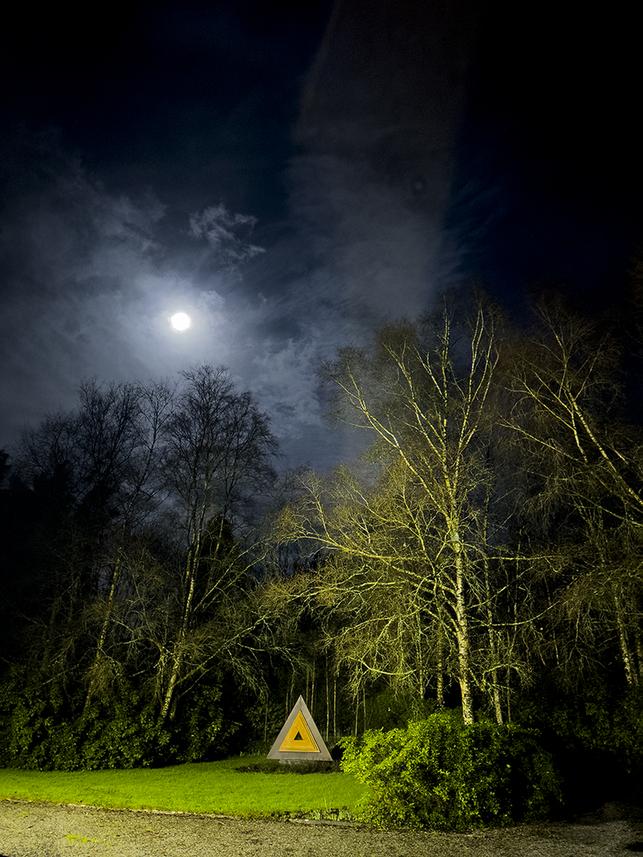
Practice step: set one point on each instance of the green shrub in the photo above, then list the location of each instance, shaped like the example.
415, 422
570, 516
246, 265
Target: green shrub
120, 736
603, 724
38, 731
29, 735
199, 732
440, 774
42, 728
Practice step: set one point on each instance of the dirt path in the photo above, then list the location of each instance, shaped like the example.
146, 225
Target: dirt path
46, 830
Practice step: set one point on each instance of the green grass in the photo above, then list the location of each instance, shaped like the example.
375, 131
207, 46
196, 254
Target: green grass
217, 787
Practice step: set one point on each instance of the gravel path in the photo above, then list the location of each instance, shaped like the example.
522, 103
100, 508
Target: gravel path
47, 830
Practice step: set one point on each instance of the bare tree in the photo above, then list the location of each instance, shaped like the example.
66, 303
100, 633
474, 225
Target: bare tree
588, 465
217, 451
423, 396
139, 493
96, 456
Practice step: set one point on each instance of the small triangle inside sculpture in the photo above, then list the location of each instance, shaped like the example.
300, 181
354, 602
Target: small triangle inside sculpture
299, 738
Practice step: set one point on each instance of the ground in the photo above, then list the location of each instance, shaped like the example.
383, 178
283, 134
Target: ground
48, 830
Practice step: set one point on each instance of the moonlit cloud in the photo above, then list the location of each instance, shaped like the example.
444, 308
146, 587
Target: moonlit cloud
98, 272
89, 285
95, 277
226, 233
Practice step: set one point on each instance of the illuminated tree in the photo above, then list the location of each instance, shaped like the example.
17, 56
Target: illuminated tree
411, 537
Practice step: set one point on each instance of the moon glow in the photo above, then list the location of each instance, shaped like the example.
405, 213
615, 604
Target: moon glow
180, 321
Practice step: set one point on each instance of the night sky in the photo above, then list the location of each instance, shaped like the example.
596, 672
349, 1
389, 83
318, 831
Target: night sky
293, 174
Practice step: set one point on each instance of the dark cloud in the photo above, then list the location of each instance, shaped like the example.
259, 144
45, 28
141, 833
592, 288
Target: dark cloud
548, 175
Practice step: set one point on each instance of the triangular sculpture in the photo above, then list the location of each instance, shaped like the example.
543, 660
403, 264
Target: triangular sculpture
299, 739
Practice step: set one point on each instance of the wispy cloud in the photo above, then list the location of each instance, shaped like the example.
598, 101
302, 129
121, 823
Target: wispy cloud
226, 233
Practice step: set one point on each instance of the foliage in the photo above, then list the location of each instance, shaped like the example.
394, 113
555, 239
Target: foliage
598, 724
39, 734
199, 733
125, 737
441, 774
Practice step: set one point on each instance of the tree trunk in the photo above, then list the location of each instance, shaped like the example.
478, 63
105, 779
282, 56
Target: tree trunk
334, 706
631, 674
327, 702
439, 692
102, 637
178, 651
462, 634
356, 714
493, 648
291, 691
265, 721
495, 693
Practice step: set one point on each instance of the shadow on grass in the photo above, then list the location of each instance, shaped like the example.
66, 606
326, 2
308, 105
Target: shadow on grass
272, 766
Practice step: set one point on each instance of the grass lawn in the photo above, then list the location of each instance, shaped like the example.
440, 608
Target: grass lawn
217, 787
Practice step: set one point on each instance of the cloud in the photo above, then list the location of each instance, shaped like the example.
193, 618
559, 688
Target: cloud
380, 114
368, 190
226, 233
91, 277
90, 274
89, 280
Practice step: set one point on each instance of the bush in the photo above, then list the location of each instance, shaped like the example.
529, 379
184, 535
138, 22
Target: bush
120, 736
200, 731
39, 731
29, 737
440, 774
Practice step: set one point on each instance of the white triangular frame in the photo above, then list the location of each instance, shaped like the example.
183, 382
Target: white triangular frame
298, 755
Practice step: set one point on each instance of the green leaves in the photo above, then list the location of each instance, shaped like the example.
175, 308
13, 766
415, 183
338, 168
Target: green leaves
442, 775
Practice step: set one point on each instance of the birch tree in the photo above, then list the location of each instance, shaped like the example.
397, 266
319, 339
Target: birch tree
422, 395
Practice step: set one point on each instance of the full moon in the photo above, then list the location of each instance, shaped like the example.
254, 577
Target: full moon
180, 321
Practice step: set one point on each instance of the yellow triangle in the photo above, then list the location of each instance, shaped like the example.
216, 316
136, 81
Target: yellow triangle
299, 738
